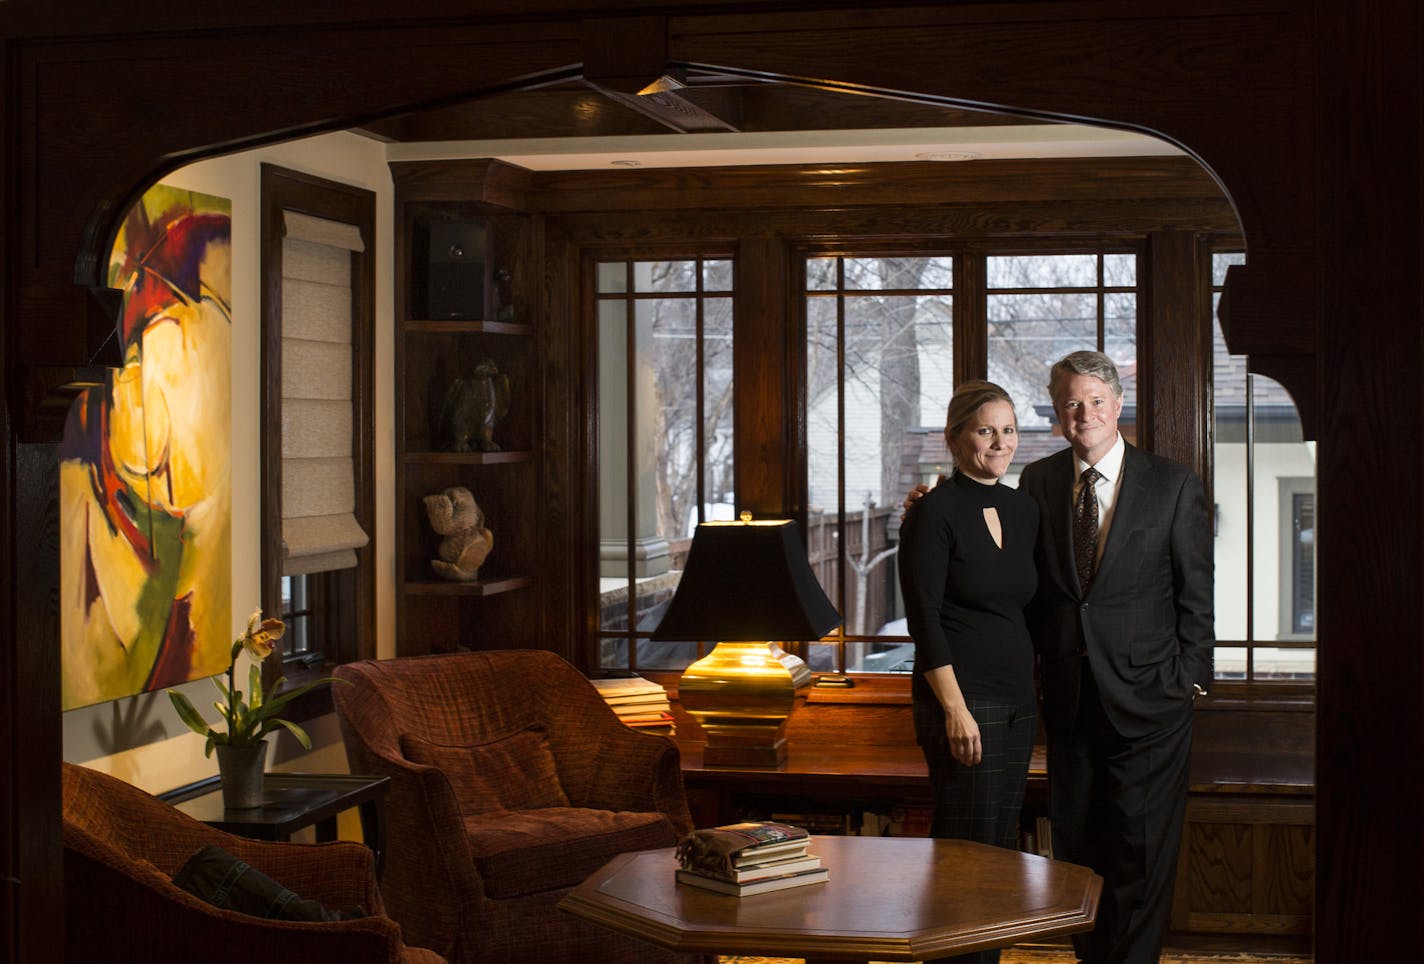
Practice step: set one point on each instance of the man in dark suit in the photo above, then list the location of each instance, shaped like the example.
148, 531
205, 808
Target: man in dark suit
1124, 629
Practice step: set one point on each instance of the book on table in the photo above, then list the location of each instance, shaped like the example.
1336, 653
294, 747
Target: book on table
759, 886
635, 700
646, 714
758, 833
638, 702
749, 858
771, 851
768, 867
730, 841
653, 723
625, 689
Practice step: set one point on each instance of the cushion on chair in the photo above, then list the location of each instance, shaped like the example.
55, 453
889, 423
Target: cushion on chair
539, 850
513, 773
216, 876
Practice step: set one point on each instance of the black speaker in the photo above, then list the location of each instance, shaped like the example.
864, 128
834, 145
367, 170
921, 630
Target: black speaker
450, 270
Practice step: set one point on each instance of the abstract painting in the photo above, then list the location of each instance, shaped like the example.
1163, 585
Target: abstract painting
145, 465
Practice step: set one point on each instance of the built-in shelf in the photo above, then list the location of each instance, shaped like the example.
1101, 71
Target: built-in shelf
466, 458
454, 318
482, 587
464, 327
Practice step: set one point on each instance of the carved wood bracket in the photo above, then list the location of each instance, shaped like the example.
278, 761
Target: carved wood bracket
55, 361
1256, 300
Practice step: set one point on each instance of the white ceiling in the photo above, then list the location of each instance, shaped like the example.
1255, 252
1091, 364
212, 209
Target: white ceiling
804, 147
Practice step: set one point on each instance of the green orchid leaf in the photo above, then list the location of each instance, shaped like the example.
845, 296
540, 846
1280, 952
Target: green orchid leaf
189, 714
222, 687
296, 731
276, 704
210, 743
241, 724
254, 683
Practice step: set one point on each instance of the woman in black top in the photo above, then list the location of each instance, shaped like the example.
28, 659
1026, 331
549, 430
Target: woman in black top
966, 572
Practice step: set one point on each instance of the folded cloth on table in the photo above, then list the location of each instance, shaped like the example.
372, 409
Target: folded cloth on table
714, 851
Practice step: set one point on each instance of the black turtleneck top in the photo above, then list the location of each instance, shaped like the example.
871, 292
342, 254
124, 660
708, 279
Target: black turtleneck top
964, 595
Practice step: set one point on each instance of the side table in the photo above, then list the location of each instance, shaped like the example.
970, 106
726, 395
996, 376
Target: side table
292, 801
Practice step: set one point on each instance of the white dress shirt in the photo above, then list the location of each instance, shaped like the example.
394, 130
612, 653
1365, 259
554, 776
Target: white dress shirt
1107, 488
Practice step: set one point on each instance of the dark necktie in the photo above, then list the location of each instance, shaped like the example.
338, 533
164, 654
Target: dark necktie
1085, 528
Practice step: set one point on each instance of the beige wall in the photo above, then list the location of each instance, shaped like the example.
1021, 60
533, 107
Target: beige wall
141, 739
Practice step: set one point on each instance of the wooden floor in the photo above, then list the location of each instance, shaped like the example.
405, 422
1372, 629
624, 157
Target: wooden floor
1033, 956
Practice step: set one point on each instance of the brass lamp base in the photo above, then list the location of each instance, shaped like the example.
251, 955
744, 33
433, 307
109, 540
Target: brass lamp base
741, 694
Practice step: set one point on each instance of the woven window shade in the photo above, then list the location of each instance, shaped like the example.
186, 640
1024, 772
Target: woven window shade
319, 529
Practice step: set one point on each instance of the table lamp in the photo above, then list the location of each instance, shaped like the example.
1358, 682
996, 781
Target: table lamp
746, 585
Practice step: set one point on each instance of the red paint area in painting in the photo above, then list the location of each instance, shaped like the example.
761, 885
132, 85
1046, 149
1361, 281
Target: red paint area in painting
110, 491
167, 267
174, 662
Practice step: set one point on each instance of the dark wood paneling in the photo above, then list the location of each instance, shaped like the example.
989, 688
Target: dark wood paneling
1132, 70
983, 184
240, 89
484, 181
1369, 551
1234, 82
1176, 358
17, 783
36, 740
578, 111
766, 386
1246, 867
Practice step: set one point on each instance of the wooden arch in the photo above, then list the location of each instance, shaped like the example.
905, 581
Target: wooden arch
94, 106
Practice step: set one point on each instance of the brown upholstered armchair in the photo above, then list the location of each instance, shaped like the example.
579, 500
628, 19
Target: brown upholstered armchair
122, 848
511, 781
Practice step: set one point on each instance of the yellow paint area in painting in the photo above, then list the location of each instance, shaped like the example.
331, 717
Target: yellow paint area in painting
154, 549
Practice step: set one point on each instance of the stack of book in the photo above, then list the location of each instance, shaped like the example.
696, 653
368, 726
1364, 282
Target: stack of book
640, 703
749, 858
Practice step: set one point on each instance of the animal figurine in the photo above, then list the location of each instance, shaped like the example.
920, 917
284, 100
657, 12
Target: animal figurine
454, 514
473, 405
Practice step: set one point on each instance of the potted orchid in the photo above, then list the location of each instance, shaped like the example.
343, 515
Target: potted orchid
242, 748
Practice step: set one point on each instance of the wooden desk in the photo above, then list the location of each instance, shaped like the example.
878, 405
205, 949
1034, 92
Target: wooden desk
887, 899
293, 801
1247, 864
830, 774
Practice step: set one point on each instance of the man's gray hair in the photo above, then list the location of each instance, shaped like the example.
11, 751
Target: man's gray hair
1093, 363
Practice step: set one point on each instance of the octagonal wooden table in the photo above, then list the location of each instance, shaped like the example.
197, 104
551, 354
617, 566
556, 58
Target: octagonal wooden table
887, 899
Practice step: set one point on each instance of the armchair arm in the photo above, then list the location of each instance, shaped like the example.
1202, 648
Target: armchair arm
340, 874
430, 882
639, 771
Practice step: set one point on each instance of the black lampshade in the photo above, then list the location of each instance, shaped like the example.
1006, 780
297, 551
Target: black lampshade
747, 581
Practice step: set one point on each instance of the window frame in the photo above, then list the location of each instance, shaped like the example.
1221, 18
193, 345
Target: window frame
1294, 489
342, 603
970, 340
1261, 692
772, 232
593, 259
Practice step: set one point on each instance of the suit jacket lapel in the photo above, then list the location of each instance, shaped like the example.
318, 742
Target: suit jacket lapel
1059, 490
1129, 496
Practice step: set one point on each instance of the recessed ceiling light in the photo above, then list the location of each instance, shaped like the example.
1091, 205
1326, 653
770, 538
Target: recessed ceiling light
947, 156
626, 162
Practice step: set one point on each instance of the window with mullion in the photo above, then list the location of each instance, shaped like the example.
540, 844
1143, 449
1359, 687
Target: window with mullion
330, 613
882, 332
665, 452
1264, 517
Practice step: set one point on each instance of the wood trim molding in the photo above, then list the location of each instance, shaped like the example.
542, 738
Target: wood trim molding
284, 189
